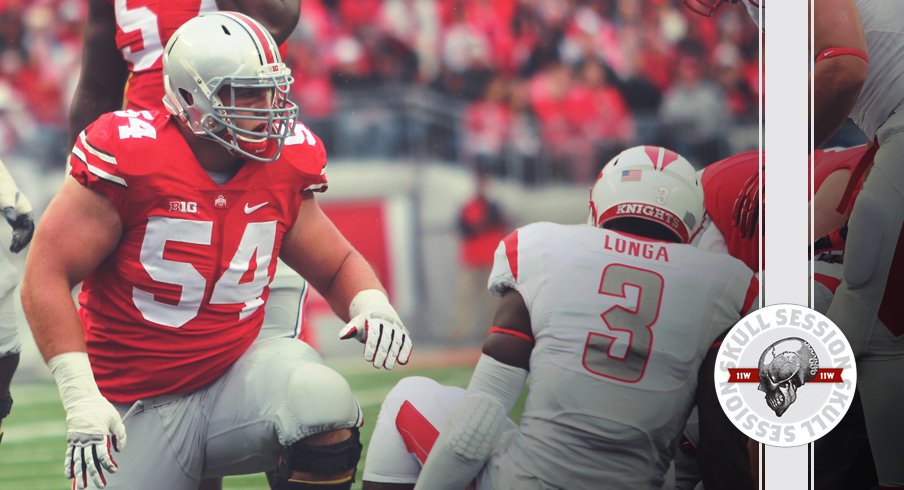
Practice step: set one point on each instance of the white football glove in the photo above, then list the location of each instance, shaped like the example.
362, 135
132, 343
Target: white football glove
375, 323
95, 426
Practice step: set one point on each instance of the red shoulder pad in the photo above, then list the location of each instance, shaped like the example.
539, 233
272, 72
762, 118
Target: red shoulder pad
93, 158
116, 147
304, 152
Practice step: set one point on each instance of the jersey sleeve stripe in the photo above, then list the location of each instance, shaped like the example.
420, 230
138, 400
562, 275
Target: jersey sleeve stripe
106, 175
316, 187
511, 252
98, 172
100, 154
512, 332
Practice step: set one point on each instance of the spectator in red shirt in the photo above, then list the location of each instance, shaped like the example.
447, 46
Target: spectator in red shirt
600, 117
486, 125
481, 226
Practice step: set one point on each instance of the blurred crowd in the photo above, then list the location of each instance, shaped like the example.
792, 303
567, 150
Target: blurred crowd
532, 89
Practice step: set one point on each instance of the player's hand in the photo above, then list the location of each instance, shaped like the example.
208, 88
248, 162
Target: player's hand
23, 227
376, 324
746, 209
95, 427
95, 432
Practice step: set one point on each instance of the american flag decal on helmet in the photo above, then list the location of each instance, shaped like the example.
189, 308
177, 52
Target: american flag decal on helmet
630, 175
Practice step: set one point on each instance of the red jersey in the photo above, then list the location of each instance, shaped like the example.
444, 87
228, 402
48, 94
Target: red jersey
143, 27
725, 181
182, 295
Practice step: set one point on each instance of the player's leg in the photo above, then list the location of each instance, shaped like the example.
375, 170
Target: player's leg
281, 407
284, 314
164, 447
872, 238
880, 376
10, 346
406, 428
843, 459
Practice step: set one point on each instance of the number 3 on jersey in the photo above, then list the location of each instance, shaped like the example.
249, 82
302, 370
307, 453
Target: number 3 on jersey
256, 245
622, 353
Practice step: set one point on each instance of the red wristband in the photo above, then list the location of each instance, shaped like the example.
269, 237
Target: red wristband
833, 52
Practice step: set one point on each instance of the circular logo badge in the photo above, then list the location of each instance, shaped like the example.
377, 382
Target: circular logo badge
785, 375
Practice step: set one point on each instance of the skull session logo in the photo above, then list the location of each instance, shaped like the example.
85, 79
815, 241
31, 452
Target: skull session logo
785, 375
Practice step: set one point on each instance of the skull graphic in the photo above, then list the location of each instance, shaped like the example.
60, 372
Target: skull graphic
784, 367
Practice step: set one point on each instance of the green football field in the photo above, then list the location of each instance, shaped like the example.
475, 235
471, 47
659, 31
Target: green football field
31, 456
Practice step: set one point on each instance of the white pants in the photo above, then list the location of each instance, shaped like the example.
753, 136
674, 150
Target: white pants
235, 425
407, 427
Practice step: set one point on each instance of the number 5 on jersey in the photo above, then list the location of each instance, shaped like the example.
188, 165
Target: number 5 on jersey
256, 244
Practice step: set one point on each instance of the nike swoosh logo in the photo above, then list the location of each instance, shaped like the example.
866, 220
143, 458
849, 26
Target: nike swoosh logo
251, 209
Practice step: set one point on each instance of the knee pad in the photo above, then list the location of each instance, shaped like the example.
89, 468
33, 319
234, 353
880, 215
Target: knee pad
318, 400
475, 426
324, 459
872, 236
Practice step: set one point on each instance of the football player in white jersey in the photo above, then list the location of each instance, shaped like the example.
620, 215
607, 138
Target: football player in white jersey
18, 213
615, 321
868, 51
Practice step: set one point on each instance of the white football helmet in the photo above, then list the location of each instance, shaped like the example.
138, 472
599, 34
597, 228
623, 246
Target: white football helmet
649, 183
211, 57
708, 7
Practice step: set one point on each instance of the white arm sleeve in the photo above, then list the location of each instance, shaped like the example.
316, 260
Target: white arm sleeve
464, 444
467, 439
498, 380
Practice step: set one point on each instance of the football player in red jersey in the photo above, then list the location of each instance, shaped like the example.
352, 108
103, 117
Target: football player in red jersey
18, 213
172, 222
122, 68
731, 189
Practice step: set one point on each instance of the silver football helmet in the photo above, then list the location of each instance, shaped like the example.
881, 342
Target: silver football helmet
212, 59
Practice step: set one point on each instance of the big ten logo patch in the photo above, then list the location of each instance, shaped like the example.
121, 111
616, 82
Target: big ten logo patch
785, 375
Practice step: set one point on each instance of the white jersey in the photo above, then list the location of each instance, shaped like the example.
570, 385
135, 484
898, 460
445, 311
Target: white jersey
883, 91
621, 325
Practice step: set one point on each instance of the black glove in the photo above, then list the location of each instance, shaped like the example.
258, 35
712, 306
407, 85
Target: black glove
23, 228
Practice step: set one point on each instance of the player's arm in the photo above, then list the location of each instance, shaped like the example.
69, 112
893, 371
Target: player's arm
316, 249
466, 440
279, 16
722, 452
78, 231
104, 73
841, 66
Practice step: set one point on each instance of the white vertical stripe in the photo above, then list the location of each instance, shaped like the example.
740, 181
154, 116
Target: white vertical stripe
94, 151
103, 174
786, 208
